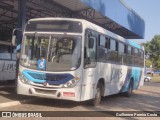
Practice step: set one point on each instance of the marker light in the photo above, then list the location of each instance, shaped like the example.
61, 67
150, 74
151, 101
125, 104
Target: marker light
23, 79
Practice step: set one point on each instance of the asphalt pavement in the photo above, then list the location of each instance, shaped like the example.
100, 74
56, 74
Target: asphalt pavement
8, 96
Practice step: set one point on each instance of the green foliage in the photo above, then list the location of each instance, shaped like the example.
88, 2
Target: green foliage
157, 64
152, 50
148, 63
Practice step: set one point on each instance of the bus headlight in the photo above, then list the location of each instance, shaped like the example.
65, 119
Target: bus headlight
71, 83
23, 79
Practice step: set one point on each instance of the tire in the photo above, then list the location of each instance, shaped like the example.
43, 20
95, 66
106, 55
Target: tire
96, 101
146, 80
130, 89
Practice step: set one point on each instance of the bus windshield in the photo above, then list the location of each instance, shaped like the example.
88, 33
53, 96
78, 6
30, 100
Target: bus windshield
60, 52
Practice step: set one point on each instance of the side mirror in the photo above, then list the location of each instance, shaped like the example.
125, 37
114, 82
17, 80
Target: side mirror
13, 40
14, 34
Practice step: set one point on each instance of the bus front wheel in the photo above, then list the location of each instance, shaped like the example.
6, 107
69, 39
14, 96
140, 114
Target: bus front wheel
98, 95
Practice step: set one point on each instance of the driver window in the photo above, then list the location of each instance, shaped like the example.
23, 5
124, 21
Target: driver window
90, 51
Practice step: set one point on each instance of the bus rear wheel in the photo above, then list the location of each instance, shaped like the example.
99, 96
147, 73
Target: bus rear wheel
130, 89
96, 101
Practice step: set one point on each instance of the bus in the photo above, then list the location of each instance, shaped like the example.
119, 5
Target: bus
7, 61
74, 59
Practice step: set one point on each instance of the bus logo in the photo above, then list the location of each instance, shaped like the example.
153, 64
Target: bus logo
41, 64
45, 84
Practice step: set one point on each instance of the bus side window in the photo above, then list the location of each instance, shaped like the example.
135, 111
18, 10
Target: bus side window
113, 51
122, 53
103, 48
5, 52
90, 52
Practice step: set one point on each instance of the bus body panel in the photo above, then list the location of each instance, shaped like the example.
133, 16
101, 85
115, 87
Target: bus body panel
7, 70
7, 61
117, 78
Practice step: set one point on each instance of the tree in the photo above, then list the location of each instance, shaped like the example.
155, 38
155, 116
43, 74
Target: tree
152, 49
148, 63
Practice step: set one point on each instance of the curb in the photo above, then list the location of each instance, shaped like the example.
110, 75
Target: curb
14, 103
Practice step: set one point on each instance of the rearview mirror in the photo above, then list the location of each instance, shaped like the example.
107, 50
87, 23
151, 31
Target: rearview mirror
13, 40
14, 35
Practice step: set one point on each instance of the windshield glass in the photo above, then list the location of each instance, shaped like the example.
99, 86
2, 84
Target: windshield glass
51, 52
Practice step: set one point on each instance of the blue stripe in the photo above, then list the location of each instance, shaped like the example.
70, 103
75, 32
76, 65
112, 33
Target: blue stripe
134, 44
30, 78
40, 77
18, 47
134, 72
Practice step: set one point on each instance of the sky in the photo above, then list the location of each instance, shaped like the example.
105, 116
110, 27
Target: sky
149, 11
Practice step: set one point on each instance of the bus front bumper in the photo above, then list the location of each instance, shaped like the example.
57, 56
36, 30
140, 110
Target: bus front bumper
55, 93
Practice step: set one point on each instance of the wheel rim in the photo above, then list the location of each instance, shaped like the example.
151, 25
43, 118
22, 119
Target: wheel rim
146, 79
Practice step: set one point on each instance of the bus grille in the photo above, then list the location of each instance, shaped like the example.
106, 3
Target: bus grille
38, 76
51, 77
48, 77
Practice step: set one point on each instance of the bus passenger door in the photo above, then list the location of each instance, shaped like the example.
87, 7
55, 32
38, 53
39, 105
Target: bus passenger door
89, 71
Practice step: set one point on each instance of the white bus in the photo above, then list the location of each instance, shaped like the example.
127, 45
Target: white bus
7, 61
73, 59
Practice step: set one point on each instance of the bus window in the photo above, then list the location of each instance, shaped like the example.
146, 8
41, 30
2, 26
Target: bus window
5, 52
113, 54
59, 53
90, 52
112, 45
141, 57
136, 57
102, 41
121, 55
130, 55
102, 48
